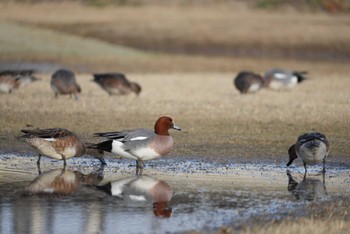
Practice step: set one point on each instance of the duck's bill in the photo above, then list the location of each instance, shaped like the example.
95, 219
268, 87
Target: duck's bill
176, 127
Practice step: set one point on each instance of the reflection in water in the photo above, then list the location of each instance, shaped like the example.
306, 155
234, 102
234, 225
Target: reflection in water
44, 213
307, 189
143, 188
62, 182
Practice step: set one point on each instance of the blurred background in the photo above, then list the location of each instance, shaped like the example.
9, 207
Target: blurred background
174, 36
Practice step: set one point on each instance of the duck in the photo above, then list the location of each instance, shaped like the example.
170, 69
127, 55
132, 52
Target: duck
142, 188
63, 82
55, 143
140, 144
312, 148
280, 79
248, 82
116, 84
15, 79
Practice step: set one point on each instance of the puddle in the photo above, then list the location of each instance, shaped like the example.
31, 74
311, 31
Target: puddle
192, 195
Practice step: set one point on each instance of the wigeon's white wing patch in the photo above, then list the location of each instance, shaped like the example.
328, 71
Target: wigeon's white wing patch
280, 76
50, 139
138, 138
137, 198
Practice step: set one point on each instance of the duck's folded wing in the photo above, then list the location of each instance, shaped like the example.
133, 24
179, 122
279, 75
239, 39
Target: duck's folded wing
47, 133
128, 135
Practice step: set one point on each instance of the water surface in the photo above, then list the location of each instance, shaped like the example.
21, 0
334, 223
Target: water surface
171, 195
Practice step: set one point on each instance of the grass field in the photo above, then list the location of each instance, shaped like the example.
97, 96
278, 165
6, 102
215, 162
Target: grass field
185, 59
216, 119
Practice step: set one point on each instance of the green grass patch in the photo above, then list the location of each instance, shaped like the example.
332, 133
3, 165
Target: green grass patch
30, 40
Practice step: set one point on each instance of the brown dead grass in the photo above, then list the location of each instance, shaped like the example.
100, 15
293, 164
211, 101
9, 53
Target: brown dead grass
240, 38
215, 118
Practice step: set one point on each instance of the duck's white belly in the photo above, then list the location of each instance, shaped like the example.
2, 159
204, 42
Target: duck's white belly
314, 155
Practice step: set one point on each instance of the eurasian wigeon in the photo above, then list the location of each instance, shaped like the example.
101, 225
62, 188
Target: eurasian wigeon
62, 182
140, 144
308, 189
143, 189
63, 82
116, 83
248, 82
279, 78
11, 79
312, 148
56, 143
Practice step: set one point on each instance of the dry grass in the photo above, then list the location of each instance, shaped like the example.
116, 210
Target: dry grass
236, 37
216, 120
303, 225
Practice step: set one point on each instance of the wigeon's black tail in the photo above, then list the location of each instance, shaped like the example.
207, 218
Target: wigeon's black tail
300, 75
102, 146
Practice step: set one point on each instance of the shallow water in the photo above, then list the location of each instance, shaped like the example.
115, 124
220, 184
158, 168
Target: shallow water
171, 195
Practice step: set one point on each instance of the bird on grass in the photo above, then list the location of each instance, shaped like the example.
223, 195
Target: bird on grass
63, 82
280, 78
116, 84
15, 79
248, 82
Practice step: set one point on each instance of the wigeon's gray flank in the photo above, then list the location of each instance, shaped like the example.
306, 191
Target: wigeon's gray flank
11, 79
140, 144
63, 82
116, 84
312, 148
143, 188
248, 82
56, 143
279, 78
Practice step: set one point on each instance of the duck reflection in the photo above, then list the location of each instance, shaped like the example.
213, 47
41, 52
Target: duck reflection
62, 181
309, 189
143, 188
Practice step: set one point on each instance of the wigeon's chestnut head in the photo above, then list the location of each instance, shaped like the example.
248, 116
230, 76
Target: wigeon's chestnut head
140, 144
248, 82
312, 148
